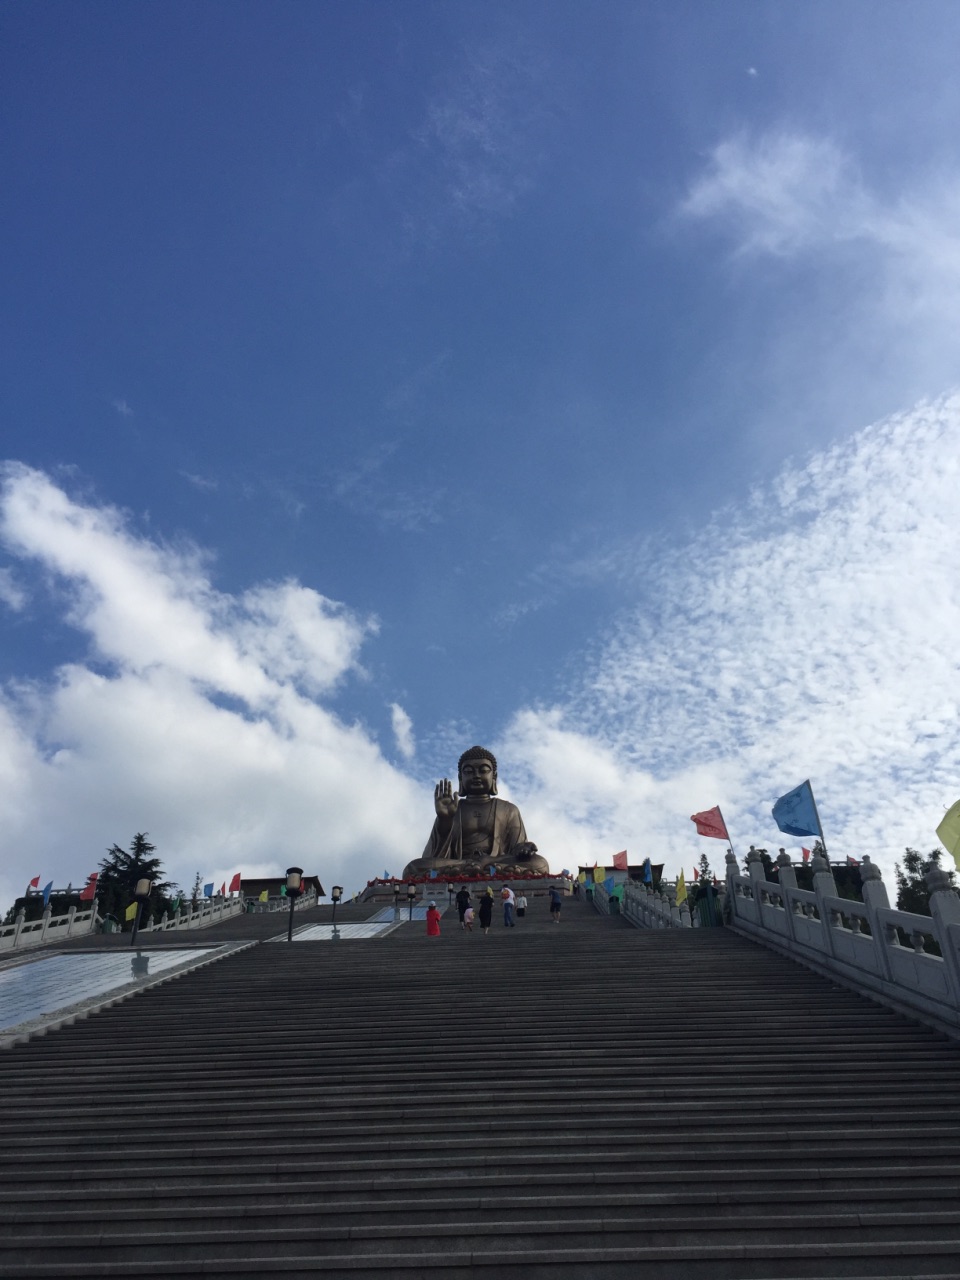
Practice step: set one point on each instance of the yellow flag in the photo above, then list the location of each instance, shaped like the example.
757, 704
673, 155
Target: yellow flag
130, 912
265, 895
599, 875
582, 877
948, 832
681, 888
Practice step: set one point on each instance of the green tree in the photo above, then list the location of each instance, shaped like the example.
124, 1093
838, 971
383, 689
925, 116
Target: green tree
196, 891
706, 874
912, 892
119, 872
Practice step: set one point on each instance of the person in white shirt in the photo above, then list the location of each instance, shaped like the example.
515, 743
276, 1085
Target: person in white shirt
509, 902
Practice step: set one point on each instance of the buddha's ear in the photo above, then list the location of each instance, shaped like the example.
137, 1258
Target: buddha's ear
493, 789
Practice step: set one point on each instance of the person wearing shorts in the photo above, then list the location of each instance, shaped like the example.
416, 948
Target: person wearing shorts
556, 902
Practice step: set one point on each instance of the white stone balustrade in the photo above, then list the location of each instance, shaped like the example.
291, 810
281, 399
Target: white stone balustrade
647, 908
51, 928
858, 943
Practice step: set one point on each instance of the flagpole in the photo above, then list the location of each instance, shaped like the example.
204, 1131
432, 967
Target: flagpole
727, 830
816, 813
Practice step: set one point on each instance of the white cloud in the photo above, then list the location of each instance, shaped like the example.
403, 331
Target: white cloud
812, 634
11, 593
198, 718
403, 731
787, 193
122, 408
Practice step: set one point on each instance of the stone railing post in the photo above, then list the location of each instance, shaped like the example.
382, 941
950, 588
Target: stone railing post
685, 921
824, 886
47, 913
18, 925
71, 916
733, 870
945, 909
874, 893
788, 880
757, 874
94, 911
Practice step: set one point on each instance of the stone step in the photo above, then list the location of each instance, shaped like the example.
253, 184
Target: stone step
658, 1209
282, 1239
771, 1179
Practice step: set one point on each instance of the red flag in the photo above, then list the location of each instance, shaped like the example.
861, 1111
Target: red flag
86, 894
235, 883
806, 854
620, 861
710, 823
852, 862
35, 883
223, 889
696, 874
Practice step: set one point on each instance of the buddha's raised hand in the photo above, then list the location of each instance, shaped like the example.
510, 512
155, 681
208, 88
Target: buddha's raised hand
445, 799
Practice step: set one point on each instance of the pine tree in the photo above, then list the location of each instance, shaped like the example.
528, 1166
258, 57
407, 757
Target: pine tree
119, 873
196, 891
706, 874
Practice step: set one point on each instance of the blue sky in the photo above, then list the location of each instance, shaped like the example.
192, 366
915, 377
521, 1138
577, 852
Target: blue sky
377, 379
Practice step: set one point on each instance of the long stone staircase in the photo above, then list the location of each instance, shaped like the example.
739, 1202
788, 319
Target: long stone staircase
574, 1101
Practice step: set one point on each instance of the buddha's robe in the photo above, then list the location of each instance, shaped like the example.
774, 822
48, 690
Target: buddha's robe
508, 832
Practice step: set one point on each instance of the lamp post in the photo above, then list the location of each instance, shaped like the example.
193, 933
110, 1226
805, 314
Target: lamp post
294, 883
449, 895
336, 893
396, 902
141, 893
411, 897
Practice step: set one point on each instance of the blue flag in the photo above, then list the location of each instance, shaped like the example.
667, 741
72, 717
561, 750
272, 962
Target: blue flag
208, 890
647, 872
608, 884
47, 890
796, 814
386, 875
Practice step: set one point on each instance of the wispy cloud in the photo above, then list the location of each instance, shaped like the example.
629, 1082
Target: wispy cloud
202, 483
122, 408
403, 731
790, 193
11, 593
369, 487
843, 297
812, 634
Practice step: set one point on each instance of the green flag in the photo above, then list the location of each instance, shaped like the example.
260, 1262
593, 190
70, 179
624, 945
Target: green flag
948, 832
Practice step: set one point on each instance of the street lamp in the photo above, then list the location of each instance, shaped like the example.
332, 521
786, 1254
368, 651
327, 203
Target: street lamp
411, 897
336, 893
294, 889
396, 902
449, 895
141, 893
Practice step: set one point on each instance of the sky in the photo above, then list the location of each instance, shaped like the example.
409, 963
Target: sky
385, 378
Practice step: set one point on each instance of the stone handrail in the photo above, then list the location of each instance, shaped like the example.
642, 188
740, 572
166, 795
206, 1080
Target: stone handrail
51, 928
647, 908
857, 942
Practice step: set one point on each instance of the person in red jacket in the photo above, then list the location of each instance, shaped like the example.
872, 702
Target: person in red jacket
433, 921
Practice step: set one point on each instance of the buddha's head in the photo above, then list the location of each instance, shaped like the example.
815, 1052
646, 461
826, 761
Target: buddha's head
477, 771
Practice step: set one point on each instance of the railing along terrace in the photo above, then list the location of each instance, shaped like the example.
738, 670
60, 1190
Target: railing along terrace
50, 928
651, 908
861, 943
